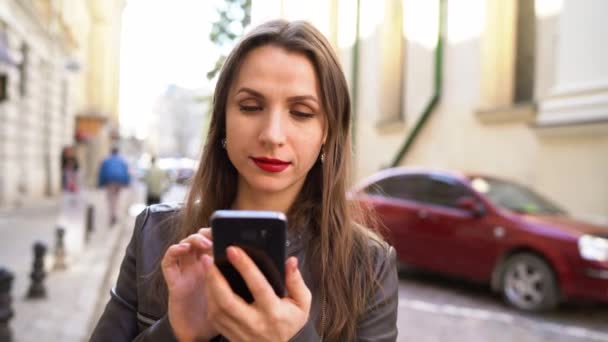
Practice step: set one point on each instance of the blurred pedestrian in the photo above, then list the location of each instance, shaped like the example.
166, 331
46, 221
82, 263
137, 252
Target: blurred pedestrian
279, 139
69, 170
157, 181
113, 176
70, 176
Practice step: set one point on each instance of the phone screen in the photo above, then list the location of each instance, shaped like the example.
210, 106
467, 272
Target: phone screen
262, 235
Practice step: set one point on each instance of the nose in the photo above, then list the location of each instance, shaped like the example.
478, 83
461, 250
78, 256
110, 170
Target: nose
273, 130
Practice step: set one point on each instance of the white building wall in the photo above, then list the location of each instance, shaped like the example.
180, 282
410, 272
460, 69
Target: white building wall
34, 127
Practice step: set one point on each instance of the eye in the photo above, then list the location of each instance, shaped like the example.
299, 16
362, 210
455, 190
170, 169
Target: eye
302, 115
250, 108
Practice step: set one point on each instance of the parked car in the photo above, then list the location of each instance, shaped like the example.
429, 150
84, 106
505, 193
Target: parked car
490, 230
179, 170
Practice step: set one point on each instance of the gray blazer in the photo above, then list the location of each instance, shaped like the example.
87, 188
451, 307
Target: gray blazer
134, 314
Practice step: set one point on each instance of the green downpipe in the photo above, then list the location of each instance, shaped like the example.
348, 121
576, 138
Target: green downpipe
437, 82
355, 80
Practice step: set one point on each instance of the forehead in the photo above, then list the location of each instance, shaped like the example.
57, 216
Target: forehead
269, 67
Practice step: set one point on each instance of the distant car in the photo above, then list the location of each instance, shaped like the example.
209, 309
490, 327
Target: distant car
180, 169
490, 230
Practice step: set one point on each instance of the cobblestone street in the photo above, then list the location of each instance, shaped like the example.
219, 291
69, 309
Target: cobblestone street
67, 312
434, 308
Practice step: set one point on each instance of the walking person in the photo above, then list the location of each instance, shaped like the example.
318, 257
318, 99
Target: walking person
69, 170
156, 180
279, 139
113, 176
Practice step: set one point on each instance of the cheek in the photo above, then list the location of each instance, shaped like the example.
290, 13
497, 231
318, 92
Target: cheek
234, 128
309, 145
234, 136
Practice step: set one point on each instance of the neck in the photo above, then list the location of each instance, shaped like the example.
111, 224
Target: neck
250, 200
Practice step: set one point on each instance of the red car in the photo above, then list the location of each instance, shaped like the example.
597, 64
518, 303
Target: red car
490, 230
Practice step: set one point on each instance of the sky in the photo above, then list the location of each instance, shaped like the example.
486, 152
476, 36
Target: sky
163, 42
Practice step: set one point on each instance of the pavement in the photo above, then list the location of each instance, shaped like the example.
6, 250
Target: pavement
75, 294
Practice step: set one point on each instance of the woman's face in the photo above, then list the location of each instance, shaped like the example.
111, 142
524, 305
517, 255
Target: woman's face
275, 124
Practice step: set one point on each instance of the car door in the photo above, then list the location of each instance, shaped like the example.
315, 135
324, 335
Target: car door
398, 203
464, 243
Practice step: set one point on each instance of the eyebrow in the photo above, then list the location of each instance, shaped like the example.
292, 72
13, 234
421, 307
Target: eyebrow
290, 99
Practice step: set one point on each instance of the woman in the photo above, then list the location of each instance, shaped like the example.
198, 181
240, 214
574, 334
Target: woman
278, 140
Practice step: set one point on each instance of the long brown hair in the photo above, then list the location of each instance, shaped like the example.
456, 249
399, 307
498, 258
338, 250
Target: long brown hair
339, 246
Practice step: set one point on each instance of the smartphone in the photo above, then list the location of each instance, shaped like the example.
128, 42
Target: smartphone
262, 235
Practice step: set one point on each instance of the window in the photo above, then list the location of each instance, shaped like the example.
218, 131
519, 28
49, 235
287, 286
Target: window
406, 187
508, 56
434, 190
64, 98
445, 192
3, 87
23, 66
524, 52
391, 65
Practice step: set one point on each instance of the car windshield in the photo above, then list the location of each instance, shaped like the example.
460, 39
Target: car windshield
514, 197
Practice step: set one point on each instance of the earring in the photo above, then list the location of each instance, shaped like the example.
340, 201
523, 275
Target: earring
224, 143
322, 156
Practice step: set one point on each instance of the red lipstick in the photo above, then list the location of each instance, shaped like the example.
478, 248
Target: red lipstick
270, 164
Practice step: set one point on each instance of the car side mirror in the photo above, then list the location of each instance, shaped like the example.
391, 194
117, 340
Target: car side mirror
471, 205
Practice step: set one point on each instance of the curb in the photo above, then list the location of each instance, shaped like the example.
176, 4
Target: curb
107, 281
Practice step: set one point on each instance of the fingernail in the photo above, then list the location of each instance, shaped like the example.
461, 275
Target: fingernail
233, 251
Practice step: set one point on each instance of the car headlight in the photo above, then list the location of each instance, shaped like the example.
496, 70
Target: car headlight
593, 248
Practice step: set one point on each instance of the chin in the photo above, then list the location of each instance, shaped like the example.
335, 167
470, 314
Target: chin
269, 185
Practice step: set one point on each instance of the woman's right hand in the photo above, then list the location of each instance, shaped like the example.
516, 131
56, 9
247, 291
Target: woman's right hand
184, 274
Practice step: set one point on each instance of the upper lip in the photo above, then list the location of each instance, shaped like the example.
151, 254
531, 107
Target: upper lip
269, 160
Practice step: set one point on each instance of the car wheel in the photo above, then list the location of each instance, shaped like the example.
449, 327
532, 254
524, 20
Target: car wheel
529, 284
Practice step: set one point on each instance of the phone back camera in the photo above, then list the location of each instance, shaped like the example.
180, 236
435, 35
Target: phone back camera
248, 235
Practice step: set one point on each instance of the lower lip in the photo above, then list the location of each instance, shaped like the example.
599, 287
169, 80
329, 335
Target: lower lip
269, 167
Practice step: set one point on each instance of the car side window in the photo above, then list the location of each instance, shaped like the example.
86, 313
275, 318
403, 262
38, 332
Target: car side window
406, 187
445, 192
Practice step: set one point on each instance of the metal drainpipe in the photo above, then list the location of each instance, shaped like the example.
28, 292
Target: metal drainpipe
355, 80
434, 100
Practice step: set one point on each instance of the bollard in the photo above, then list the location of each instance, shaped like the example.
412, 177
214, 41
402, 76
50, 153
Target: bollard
90, 222
6, 310
59, 249
37, 289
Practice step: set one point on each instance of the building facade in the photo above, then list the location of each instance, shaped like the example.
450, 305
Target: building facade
168, 135
50, 62
516, 89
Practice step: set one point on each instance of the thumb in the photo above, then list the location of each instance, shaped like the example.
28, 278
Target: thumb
296, 288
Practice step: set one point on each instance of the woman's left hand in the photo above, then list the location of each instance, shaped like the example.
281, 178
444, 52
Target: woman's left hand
269, 317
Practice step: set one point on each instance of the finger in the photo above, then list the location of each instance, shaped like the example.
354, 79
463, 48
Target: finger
200, 243
190, 257
206, 232
222, 301
256, 281
170, 263
228, 312
297, 289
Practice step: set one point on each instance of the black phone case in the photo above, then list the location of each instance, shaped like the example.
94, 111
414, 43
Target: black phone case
261, 235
